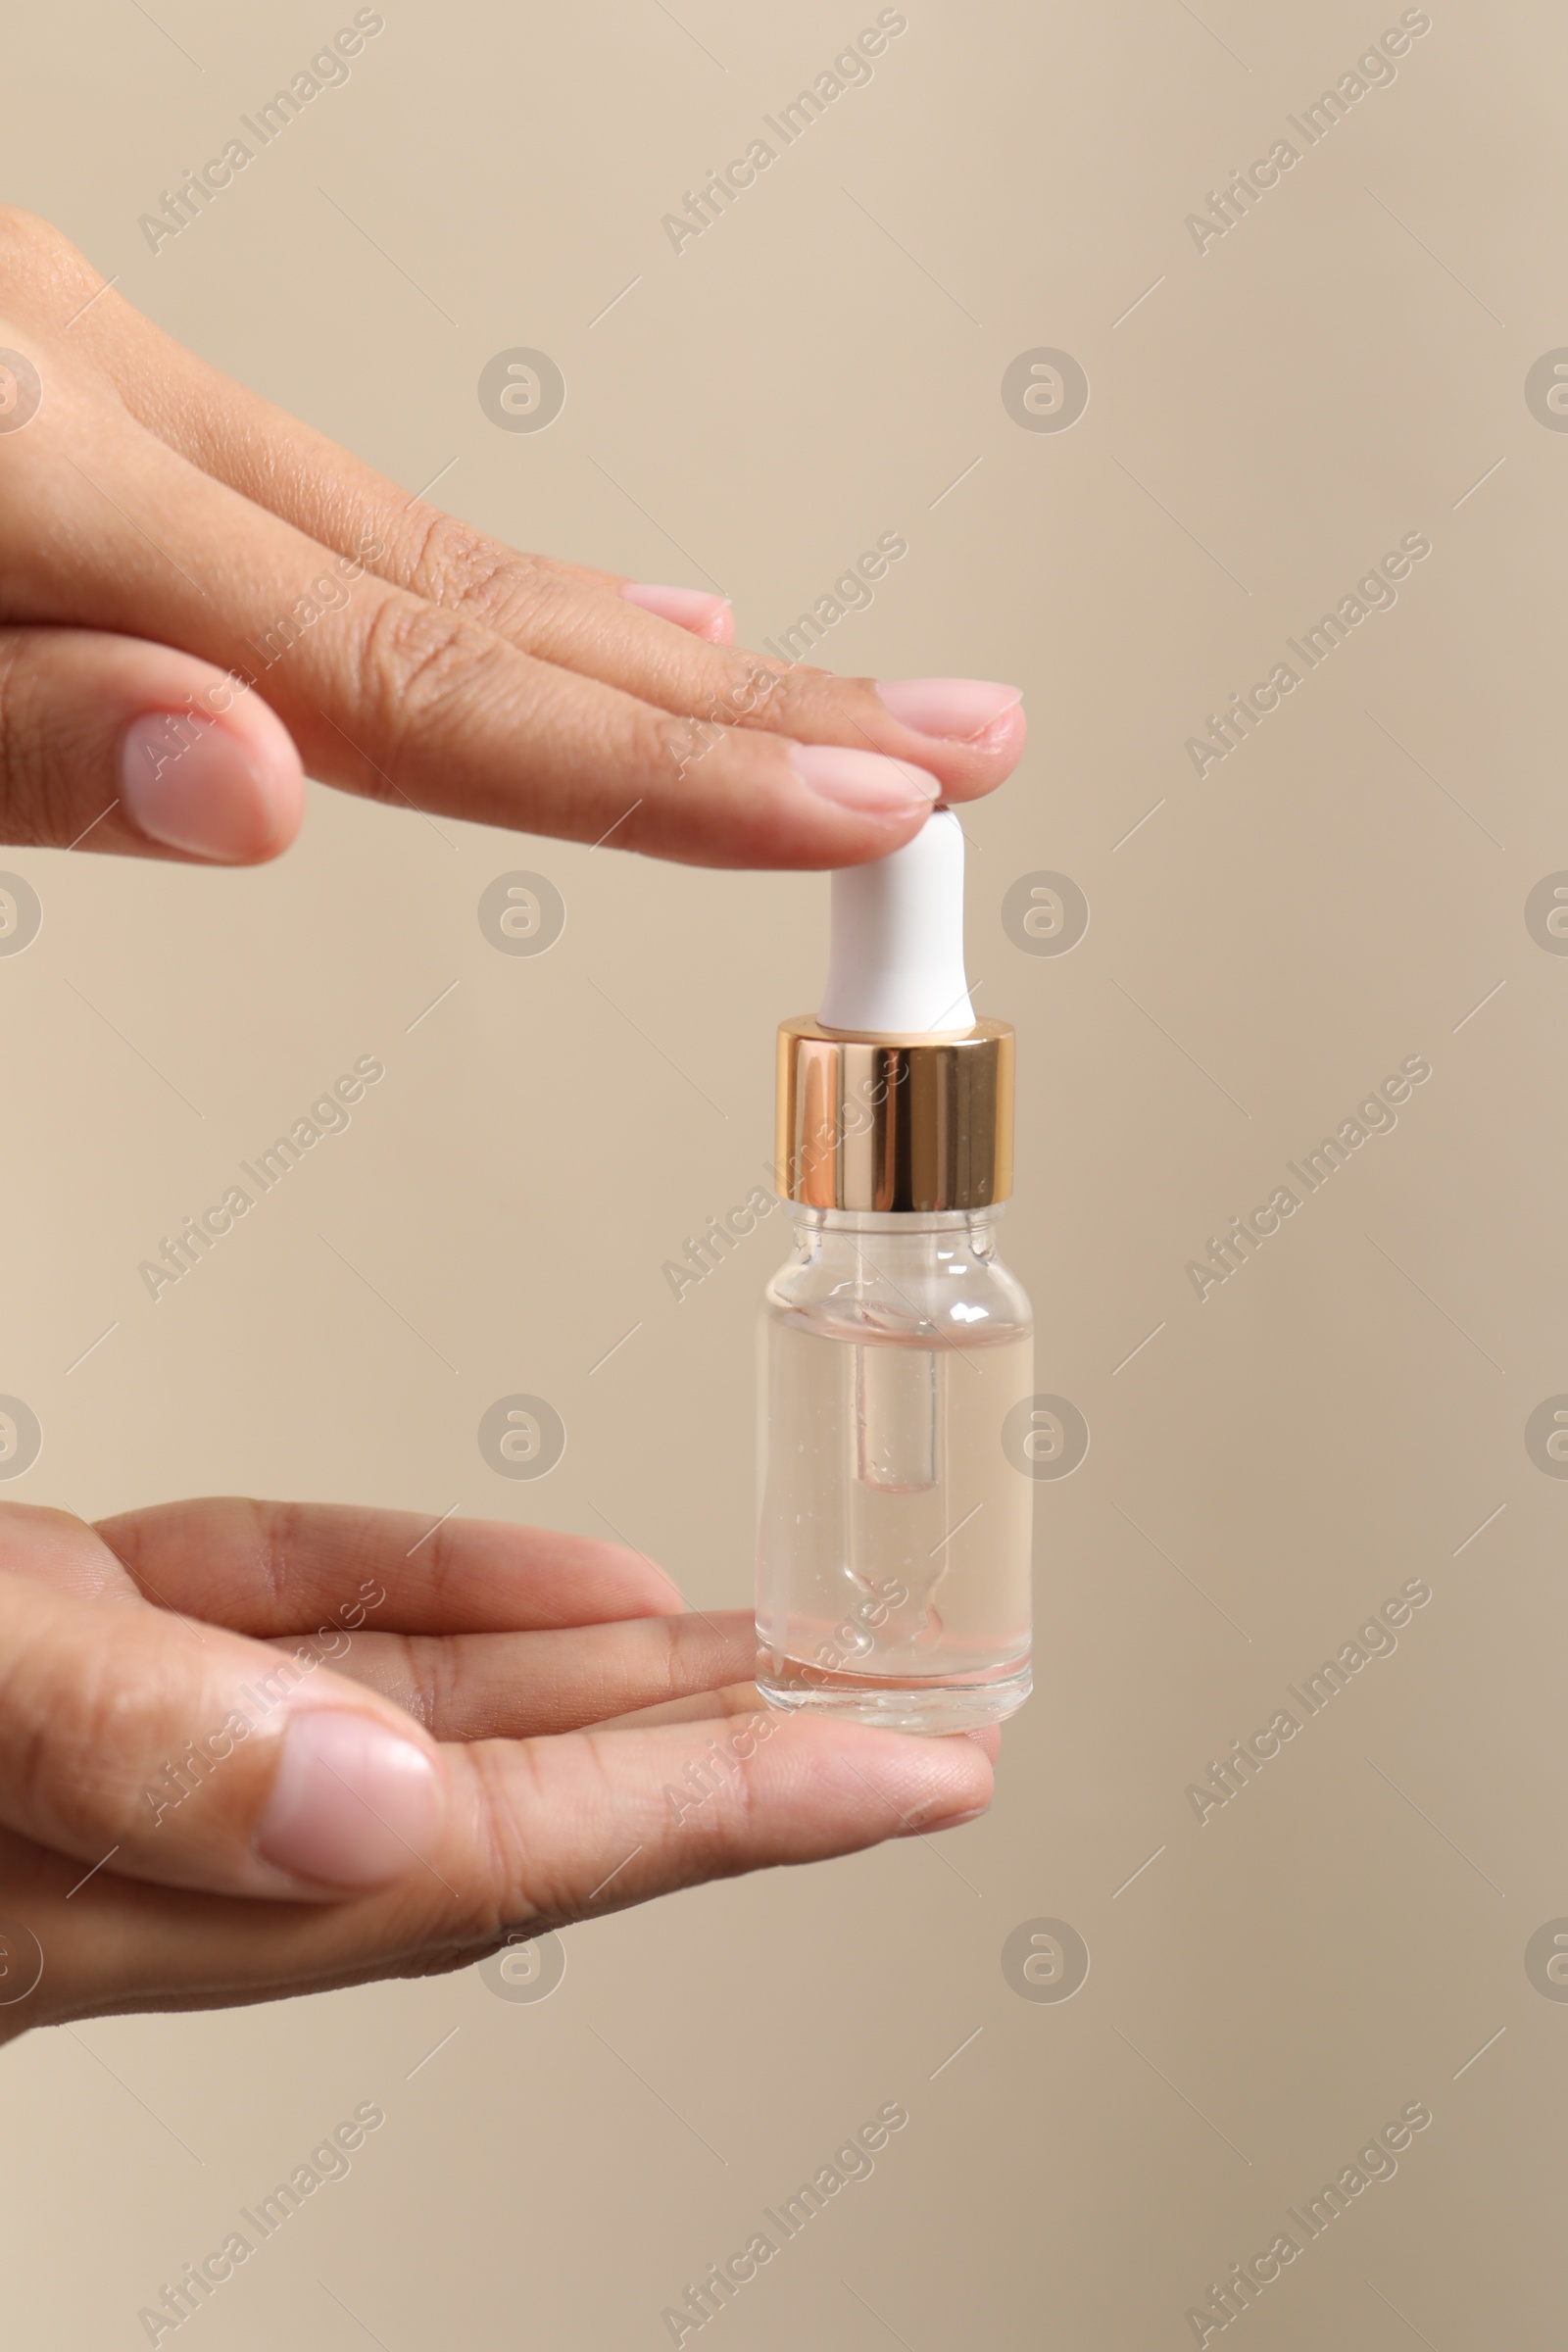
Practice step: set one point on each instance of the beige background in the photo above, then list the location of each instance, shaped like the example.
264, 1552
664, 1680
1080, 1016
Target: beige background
1340, 370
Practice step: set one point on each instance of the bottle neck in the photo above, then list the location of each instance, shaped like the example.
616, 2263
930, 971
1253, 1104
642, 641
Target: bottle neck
902, 1224
932, 1277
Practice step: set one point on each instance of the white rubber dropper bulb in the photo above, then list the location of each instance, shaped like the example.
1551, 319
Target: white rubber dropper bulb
897, 961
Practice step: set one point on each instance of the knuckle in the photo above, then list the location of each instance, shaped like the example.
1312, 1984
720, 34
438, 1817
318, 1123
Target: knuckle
69, 1766
428, 1683
513, 1882
446, 1570
272, 1529
416, 662
735, 1828
672, 1643
691, 1652
461, 570
791, 698
747, 691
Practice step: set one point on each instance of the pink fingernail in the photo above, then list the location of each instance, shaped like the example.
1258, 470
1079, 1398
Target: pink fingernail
353, 1804
192, 784
953, 708
864, 781
690, 608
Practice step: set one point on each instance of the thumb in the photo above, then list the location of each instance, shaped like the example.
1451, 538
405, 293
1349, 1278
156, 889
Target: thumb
133, 748
193, 1757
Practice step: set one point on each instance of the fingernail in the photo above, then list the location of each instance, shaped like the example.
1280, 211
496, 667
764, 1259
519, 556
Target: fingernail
955, 708
944, 1821
353, 1804
192, 785
862, 780
690, 608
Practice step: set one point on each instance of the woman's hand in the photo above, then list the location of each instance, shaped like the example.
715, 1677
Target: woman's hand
250, 1750
197, 593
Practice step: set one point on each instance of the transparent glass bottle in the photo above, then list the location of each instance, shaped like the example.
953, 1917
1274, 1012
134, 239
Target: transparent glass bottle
893, 1533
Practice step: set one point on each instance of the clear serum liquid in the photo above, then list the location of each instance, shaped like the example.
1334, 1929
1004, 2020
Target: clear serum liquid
894, 1532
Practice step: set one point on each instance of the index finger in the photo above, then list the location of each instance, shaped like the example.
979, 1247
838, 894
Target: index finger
968, 732
389, 695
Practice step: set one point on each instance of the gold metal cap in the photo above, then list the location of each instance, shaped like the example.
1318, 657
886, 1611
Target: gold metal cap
895, 1123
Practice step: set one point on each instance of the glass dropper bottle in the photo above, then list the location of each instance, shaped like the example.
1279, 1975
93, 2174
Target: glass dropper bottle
892, 1577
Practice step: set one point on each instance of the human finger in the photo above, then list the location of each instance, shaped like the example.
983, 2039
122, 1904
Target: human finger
190, 1756
508, 1686
112, 743
269, 1568
386, 693
966, 732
